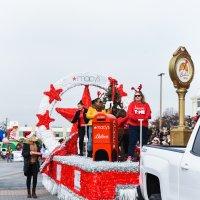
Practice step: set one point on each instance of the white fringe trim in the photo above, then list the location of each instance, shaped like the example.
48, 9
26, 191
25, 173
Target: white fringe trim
88, 164
65, 194
62, 192
50, 184
127, 194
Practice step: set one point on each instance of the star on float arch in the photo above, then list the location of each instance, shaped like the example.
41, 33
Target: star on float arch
44, 119
53, 94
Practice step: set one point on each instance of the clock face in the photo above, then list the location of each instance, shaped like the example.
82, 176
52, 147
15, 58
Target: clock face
184, 70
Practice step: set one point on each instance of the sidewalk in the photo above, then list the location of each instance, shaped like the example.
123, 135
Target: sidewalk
13, 183
20, 194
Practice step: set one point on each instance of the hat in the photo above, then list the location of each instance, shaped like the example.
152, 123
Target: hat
155, 139
138, 89
80, 102
32, 138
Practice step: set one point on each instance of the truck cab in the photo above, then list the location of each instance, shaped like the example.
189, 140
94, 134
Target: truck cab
171, 173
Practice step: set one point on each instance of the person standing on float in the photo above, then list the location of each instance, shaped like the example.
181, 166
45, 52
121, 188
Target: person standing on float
80, 117
137, 109
97, 106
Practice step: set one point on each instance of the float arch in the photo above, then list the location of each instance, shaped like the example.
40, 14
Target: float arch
66, 83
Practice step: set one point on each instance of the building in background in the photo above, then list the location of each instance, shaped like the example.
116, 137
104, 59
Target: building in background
196, 103
22, 131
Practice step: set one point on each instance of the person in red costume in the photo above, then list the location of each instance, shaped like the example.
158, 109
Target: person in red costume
138, 109
196, 117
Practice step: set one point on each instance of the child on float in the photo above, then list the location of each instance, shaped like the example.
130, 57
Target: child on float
137, 109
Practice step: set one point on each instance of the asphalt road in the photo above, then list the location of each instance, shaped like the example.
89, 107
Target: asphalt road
13, 183
12, 177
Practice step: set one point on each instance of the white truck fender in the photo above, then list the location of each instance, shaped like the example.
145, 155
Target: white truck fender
157, 167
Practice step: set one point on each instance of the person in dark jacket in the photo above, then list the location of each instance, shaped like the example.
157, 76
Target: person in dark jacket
31, 154
80, 117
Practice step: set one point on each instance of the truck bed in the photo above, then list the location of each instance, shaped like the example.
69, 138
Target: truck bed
178, 149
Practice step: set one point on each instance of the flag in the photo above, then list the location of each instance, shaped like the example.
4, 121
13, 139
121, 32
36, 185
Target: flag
67, 113
86, 98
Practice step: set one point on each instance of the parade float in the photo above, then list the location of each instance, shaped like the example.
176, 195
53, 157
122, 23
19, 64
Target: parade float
70, 176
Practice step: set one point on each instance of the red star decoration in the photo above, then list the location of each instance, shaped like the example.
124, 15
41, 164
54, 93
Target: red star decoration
44, 119
53, 94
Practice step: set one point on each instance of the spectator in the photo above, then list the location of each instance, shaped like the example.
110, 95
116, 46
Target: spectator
1, 155
19, 146
195, 118
31, 154
155, 141
9, 154
61, 140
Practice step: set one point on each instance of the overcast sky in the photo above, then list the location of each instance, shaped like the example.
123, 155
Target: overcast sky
133, 41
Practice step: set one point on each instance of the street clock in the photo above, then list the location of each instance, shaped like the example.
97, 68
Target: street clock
181, 68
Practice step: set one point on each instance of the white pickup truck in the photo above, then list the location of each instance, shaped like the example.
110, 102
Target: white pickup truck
171, 173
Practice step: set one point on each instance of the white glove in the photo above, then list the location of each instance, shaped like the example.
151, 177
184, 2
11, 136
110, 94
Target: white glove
109, 104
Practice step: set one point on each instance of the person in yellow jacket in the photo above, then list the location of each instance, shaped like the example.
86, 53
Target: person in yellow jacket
97, 106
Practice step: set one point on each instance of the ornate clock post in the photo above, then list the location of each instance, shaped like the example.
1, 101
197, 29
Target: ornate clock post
181, 71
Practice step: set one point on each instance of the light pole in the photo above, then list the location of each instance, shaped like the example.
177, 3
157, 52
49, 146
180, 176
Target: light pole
5, 127
160, 120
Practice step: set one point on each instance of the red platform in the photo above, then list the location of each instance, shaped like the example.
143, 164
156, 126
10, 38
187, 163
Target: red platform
88, 179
